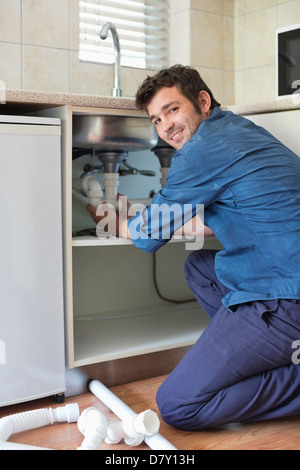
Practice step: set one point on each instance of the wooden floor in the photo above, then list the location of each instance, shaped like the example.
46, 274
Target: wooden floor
281, 434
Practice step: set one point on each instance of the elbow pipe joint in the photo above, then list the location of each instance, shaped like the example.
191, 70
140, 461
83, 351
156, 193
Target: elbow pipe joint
90, 187
92, 424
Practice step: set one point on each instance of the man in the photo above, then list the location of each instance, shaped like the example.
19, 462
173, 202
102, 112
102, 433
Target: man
242, 367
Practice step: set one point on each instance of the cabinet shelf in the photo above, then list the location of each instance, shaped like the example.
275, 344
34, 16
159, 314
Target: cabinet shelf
126, 333
88, 240
95, 241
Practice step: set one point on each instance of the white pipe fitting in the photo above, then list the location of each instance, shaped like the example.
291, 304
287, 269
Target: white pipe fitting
90, 187
133, 429
93, 425
32, 420
111, 184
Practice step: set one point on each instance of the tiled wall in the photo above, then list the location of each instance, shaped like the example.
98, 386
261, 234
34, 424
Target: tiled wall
39, 41
231, 42
202, 35
255, 25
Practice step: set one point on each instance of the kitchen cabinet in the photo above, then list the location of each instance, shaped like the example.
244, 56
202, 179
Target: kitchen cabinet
113, 310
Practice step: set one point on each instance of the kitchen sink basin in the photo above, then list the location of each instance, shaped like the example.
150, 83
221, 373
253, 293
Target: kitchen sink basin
116, 133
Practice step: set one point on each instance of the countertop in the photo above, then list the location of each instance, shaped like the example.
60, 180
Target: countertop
60, 99
43, 98
281, 104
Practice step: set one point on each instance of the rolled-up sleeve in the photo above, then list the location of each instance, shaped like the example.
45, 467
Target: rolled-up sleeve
183, 197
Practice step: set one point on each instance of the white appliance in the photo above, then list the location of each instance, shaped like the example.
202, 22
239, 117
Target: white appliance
32, 363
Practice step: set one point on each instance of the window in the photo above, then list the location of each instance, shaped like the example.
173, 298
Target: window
142, 27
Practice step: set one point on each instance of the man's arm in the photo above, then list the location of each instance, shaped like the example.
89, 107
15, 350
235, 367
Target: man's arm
120, 222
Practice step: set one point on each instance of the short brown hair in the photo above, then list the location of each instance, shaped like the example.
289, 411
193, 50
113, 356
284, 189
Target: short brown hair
187, 80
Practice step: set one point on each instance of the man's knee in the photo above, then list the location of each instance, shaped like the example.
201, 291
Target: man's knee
178, 411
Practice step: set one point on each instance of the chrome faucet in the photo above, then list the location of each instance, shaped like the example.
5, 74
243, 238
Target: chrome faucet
116, 91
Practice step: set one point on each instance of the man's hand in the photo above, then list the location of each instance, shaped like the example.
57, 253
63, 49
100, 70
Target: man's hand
110, 220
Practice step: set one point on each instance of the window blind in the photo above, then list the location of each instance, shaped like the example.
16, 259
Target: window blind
142, 26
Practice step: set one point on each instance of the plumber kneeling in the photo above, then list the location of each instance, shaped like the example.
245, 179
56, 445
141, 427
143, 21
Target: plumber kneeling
241, 367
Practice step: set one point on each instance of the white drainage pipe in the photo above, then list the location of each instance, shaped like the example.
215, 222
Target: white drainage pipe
124, 413
32, 420
90, 187
111, 184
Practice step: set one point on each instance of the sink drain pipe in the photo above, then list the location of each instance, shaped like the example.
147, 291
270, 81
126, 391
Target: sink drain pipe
124, 413
89, 187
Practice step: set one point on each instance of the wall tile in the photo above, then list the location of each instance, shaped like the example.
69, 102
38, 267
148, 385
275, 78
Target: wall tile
91, 79
74, 25
239, 43
179, 5
207, 40
214, 79
229, 7
180, 34
229, 86
259, 85
231, 42
45, 69
10, 20
288, 13
213, 6
46, 23
260, 38
254, 5
228, 43
10, 65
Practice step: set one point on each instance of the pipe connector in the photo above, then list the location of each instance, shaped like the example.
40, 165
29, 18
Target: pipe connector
90, 187
92, 424
133, 429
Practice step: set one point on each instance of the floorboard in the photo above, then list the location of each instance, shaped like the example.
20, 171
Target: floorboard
280, 434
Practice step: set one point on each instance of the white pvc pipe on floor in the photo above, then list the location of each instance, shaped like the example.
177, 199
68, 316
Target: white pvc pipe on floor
34, 419
123, 411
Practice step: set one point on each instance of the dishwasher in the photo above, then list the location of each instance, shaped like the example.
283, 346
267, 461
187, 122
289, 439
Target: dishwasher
32, 357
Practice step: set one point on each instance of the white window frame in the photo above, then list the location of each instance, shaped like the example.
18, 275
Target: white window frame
142, 26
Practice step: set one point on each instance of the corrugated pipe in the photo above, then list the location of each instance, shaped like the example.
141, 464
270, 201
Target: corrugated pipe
34, 419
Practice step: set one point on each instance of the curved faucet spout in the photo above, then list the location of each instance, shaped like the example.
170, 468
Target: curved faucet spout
117, 51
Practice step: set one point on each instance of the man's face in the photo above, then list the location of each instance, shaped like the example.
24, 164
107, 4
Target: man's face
174, 116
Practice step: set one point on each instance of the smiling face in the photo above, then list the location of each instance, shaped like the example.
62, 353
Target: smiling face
175, 116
